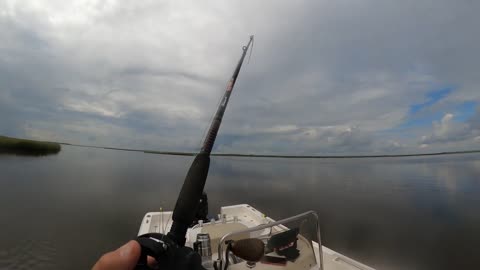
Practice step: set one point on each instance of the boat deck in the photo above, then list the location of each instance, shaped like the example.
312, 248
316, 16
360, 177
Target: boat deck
241, 217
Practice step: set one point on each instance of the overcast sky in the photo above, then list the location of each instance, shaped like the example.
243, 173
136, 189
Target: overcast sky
325, 77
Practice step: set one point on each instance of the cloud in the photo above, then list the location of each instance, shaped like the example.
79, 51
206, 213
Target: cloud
448, 131
325, 77
474, 121
306, 140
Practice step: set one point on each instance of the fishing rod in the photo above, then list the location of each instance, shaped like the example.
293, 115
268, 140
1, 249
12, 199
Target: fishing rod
169, 250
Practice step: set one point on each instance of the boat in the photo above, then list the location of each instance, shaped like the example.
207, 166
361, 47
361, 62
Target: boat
239, 236
244, 221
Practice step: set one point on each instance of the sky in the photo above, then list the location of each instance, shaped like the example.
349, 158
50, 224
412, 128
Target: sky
325, 77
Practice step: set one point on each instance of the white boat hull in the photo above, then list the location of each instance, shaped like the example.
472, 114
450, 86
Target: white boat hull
238, 217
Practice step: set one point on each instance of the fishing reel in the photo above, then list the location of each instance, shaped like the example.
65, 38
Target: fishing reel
167, 253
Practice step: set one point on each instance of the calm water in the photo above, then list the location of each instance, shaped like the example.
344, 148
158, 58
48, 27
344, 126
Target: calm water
64, 211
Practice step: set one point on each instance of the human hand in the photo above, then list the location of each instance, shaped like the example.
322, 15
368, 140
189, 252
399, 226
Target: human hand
124, 258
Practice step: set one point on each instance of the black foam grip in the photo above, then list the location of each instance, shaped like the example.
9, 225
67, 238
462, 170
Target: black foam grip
189, 198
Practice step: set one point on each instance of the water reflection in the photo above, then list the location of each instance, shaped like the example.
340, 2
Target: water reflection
398, 213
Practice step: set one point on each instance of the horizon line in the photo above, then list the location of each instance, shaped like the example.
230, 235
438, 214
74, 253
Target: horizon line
175, 153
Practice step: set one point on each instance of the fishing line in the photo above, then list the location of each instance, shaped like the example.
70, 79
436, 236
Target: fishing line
251, 50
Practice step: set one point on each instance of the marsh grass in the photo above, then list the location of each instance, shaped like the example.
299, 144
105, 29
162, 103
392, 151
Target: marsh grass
16, 146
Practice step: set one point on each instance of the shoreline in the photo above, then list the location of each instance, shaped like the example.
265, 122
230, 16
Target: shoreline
16, 146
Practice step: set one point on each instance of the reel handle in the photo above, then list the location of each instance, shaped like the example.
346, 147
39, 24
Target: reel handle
155, 245
167, 253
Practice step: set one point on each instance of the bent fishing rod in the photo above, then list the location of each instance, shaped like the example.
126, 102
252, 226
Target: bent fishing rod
169, 250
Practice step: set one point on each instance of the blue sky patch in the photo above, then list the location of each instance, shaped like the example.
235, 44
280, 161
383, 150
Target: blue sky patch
464, 111
427, 119
432, 98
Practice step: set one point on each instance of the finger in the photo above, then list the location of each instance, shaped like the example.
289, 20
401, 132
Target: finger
151, 261
124, 258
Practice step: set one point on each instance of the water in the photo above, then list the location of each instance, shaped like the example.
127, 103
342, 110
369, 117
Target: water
64, 211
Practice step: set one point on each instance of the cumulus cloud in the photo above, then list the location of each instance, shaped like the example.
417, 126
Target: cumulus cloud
448, 131
305, 140
325, 77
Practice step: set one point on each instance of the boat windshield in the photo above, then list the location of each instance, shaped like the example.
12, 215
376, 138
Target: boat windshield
290, 243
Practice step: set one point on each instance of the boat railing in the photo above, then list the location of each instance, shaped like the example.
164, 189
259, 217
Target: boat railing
270, 226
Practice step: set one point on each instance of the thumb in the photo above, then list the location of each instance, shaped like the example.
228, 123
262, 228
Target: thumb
124, 258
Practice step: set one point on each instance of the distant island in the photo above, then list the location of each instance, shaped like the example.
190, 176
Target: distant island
16, 146
174, 153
